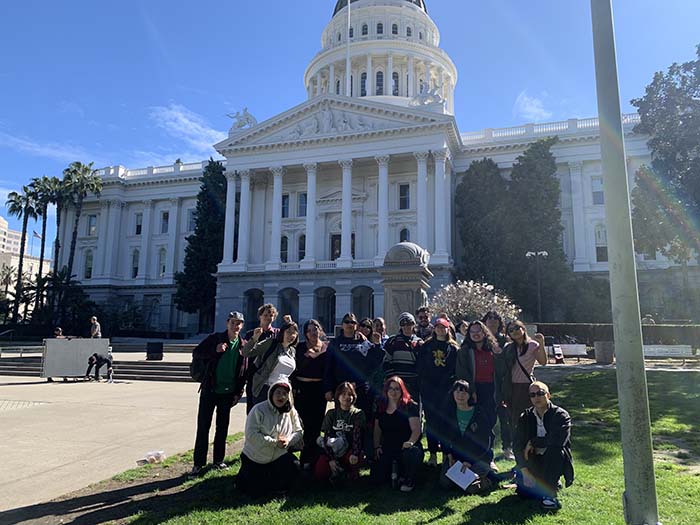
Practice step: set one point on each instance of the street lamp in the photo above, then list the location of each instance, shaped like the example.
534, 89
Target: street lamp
537, 255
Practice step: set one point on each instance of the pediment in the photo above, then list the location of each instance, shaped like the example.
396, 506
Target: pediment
334, 199
328, 118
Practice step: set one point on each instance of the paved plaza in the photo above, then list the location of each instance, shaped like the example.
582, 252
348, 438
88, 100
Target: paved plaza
59, 437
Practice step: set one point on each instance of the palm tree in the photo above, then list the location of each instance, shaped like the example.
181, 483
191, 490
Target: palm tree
80, 180
7, 275
58, 191
21, 205
44, 191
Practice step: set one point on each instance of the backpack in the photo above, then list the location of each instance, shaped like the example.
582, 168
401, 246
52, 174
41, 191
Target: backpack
198, 368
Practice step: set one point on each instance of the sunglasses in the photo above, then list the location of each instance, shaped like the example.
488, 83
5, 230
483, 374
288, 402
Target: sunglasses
461, 389
349, 321
539, 393
515, 329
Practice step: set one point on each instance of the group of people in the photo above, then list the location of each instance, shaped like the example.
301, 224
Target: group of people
381, 389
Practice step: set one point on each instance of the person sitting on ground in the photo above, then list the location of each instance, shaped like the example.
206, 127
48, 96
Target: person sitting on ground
466, 438
222, 382
98, 360
542, 447
341, 442
397, 433
272, 431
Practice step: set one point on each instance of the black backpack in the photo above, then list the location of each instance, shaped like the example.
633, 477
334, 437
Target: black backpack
199, 368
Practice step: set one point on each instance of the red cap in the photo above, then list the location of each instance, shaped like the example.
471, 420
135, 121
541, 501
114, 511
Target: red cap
442, 321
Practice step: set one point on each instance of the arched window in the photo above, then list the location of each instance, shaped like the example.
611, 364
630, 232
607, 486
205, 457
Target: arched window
365, 29
420, 35
601, 243
162, 256
87, 273
284, 249
395, 84
363, 85
404, 235
380, 83
409, 32
302, 247
394, 29
340, 37
135, 256
337, 87
352, 32
380, 28
352, 85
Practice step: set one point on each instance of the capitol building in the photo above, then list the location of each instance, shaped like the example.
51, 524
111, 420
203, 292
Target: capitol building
318, 194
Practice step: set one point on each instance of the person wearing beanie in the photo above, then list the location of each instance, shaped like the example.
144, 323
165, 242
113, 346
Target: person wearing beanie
401, 354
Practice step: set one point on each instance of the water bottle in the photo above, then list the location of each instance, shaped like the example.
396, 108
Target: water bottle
394, 474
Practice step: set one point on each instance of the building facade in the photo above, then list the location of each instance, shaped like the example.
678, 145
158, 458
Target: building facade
318, 194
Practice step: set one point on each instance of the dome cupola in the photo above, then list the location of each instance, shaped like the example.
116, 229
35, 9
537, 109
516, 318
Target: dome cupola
394, 56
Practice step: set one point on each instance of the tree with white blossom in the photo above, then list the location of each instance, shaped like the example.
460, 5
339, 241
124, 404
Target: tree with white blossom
471, 300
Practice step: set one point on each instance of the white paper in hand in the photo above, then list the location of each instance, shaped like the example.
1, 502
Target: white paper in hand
461, 479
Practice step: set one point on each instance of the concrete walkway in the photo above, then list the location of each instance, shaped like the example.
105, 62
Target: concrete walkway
59, 437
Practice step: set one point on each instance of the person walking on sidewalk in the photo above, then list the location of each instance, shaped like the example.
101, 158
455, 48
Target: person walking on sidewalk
222, 384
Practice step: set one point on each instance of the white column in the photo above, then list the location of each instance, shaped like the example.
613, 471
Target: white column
273, 262
331, 79
422, 202
102, 234
382, 209
578, 206
113, 239
309, 261
244, 218
345, 259
411, 78
145, 239
441, 195
389, 81
370, 77
230, 221
426, 65
174, 232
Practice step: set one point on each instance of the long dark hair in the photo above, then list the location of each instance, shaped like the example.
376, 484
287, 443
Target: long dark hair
288, 326
404, 400
489, 340
526, 338
494, 315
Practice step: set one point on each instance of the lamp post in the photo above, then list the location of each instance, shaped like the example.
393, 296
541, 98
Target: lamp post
537, 255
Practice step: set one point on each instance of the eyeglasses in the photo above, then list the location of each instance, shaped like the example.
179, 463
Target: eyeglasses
461, 389
349, 321
539, 393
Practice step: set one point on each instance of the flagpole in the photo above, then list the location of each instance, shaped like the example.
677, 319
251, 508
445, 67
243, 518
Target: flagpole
348, 74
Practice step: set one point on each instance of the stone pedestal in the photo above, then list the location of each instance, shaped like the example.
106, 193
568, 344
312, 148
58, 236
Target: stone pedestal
406, 281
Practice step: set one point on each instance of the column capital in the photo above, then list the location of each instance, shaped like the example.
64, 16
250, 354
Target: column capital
310, 166
245, 174
105, 204
230, 176
116, 202
345, 163
441, 155
421, 155
174, 201
576, 166
277, 171
382, 160
147, 203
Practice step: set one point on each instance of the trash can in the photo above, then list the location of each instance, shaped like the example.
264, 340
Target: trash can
154, 351
604, 352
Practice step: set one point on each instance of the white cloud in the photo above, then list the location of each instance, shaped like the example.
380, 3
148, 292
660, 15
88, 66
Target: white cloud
530, 108
52, 150
183, 124
71, 107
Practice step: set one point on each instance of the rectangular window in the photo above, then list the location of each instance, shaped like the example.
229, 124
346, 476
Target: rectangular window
597, 188
92, 225
336, 246
164, 219
285, 206
601, 253
404, 197
191, 223
139, 224
301, 205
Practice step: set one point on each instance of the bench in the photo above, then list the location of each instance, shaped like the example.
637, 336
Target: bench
21, 350
669, 352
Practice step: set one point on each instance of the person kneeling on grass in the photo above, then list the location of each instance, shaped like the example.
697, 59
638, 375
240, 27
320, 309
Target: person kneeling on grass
272, 430
397, 433
542, 448
466, 437
341, 442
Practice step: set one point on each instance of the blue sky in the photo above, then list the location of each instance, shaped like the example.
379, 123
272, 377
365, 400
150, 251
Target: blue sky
142, 83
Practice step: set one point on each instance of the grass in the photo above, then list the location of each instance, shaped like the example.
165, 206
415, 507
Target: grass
595, 497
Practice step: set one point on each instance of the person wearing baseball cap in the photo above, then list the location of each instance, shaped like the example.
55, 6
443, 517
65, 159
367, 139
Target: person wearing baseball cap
217, 363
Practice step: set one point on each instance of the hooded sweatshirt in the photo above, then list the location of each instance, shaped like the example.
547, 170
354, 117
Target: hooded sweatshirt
266, 423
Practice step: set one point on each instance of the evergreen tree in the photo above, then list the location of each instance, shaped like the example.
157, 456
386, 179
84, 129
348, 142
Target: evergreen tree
479, 209
196, 285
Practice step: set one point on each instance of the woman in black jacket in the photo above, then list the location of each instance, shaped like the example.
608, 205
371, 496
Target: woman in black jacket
466, 437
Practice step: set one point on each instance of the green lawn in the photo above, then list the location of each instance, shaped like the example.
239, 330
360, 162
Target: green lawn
595, 497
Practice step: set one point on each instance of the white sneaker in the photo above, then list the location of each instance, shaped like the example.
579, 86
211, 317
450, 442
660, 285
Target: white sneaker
432, 460
508, 454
